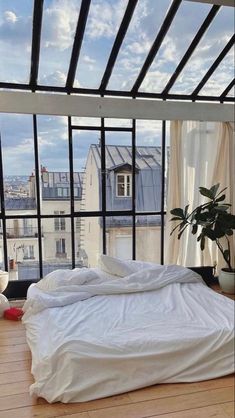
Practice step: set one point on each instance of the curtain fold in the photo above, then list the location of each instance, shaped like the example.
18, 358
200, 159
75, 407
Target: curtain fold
201, 154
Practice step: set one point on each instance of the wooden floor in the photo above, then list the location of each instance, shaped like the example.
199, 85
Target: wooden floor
212, 398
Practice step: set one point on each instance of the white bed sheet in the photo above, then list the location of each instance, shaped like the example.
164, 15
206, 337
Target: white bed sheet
93, 336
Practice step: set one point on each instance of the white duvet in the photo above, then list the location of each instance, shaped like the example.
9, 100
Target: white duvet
93, 334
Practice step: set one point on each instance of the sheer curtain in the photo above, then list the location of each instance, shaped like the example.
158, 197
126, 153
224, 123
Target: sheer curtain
201, 154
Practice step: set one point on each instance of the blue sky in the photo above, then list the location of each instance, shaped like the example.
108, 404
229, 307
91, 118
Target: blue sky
58, 28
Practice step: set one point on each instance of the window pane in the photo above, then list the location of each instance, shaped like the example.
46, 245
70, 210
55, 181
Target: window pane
88, 241
22, 247
189, 16
148, 238
119, 236
58, 30
15, 37
149, 165
215, 39
143, 29
54, 158
118, 160
102, 25
87, 169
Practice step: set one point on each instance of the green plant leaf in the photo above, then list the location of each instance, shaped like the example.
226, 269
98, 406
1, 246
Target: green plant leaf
178, 212
226, 255
229, 232
199, 237
206, 192
176, 218
210, 234
219, 199
181, 232
194, 229
214, 189
202, 245
222, 208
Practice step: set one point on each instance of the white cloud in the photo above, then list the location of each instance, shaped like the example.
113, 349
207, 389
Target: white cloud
104, 18
59, 23
10, 16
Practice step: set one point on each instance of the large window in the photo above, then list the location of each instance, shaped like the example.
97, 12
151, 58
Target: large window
101, 189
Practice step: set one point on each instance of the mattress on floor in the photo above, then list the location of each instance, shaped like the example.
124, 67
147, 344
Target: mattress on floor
94, 334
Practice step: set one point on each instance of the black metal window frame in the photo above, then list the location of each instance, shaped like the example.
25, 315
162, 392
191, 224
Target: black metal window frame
74, 215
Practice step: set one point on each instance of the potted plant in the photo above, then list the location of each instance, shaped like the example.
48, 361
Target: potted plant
212, 220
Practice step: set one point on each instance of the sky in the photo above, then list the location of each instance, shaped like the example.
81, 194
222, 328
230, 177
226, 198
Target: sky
58, 29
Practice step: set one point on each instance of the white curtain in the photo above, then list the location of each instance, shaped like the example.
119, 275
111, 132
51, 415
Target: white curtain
201, 154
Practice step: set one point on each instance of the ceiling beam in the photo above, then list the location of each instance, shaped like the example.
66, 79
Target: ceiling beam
83, 15
229, 3
214, 66
117, 43
214, 10
36, 40
115, 93
71, 105
157, 44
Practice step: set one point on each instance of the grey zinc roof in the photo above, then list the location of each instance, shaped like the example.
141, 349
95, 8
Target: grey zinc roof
148, 175
25, 203
53, 180
146, 157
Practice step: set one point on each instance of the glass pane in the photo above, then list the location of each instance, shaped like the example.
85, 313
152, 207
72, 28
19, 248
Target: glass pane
102, 25
82, 121
213, 42
118, 166
148, 238
144, 26
54, 158
149, 165
88, 236
119, 236
190, 16
15, 37
58, 30
22, 247
119, 123
221, 78
86, 153
56, 244
18, 163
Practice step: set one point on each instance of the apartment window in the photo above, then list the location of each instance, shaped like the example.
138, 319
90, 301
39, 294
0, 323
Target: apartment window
28, 251
59, 222
60, 246
123, 185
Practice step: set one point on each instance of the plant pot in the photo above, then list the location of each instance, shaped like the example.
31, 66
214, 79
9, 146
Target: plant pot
4, 277
227, 281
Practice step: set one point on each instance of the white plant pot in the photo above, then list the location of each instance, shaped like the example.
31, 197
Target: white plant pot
227, 281
4, 277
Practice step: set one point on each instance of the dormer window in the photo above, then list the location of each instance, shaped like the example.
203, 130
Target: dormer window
123, 185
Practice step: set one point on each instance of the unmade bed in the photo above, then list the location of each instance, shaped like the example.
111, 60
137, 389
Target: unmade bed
99, 332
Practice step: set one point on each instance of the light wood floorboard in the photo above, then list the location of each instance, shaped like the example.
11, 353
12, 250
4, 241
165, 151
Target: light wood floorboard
213, 398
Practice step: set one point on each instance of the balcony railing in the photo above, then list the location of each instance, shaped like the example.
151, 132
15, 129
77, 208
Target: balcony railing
29, 232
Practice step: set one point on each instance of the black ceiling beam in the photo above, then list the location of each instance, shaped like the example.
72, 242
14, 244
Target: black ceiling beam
116, 93
214, 10
214, 66
157, 44
36, 40
82, 19
227, 90
117, 43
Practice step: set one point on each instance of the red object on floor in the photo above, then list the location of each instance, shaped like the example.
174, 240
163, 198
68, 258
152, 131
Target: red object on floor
14, 314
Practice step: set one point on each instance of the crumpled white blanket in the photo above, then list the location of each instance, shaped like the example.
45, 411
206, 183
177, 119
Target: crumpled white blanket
99, 332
